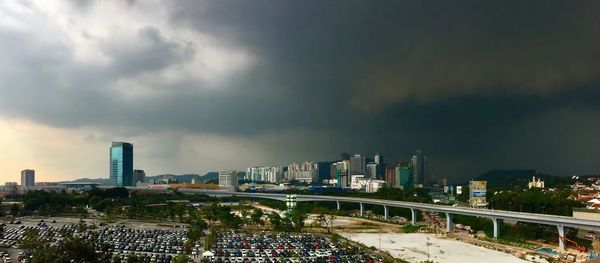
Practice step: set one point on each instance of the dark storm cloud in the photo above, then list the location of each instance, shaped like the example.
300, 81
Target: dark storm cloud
151, 52
455, 78
451, 77
385, 52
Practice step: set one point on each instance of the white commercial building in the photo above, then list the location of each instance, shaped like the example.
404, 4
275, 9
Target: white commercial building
358, 182
374, 185
228, 180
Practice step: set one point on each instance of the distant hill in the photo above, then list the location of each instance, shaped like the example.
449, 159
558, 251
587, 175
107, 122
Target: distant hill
101, 181
187, 178
182, 178
501, 178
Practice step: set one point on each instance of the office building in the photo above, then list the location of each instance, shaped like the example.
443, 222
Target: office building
121, 164
27, 178
404, 177
358, 165
324, 172
265, 174
420, 172
228, 180
379, 160
340, 172
372, 169
390, 176
139, 176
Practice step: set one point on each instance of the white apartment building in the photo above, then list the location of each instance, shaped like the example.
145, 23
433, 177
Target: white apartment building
306, 172
271, 174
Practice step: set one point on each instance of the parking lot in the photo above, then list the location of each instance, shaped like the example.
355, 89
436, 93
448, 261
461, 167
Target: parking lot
278, 247
149, 244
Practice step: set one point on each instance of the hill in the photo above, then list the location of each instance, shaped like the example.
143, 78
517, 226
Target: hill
101, 181
503, 178
187, 178
182, 178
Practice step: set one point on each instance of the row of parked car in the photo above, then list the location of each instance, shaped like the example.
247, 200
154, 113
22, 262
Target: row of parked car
149, 245
5, 257
269, 247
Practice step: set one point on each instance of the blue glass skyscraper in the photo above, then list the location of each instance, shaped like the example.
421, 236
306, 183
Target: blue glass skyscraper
121, 164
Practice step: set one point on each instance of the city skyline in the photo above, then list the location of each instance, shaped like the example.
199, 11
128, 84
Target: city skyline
206, 86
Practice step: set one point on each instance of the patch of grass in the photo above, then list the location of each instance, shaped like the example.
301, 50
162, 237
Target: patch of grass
408, 228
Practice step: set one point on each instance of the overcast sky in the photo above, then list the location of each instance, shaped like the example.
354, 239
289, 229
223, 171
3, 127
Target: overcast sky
201, 86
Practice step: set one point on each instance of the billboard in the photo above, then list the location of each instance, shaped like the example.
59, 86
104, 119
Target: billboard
477, 193
459, 190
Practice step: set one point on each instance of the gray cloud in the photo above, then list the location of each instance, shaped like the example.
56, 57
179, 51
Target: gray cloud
464, 81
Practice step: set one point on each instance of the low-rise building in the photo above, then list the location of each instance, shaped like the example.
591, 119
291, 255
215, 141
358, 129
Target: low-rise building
536, 183
228, 180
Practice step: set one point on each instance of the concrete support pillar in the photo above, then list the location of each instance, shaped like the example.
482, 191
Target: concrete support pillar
362, 209
449, 223
497, 224
561, 237
385, 212
413, 212
338, 205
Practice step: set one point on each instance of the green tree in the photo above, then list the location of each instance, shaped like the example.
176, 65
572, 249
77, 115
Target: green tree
256, 217
183, 258
209, 212
298, 218
78, 250
209, 241
132, 258
15, 209
30, 240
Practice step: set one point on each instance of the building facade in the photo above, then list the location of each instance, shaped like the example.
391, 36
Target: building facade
269, 174
390, 176
121, 164
228, 180
358, 165
536, 183
27, 178
420, 172
372, 171
404, 177
306, 172
373, 186
340, 172
380, 161
139, 176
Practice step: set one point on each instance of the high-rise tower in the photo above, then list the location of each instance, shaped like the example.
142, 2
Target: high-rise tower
121, 164
419, 165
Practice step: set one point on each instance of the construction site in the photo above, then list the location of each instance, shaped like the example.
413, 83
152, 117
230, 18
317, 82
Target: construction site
430, 240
